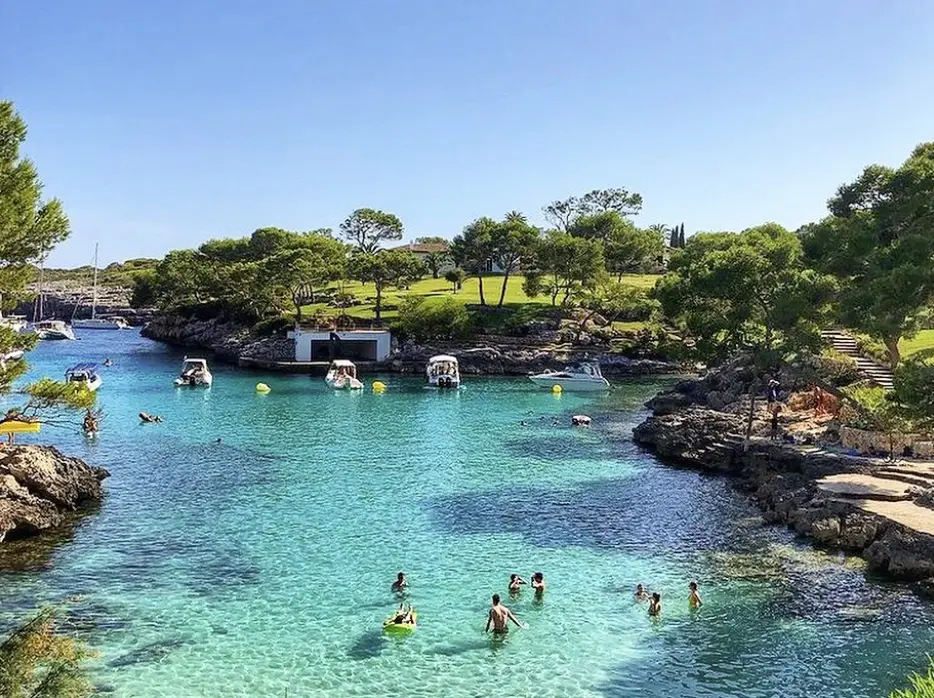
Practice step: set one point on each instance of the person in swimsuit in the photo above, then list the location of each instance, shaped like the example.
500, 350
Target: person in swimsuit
516, 582
400, 584
404, 615
694, 599
641, 594
499, 617
538, 583
655, 605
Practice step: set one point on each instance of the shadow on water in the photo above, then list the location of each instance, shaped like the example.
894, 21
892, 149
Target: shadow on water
152, 653
623, 514
493, 642
35, 553
368, 646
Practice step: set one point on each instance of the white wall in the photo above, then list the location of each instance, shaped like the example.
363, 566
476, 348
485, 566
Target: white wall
303, 340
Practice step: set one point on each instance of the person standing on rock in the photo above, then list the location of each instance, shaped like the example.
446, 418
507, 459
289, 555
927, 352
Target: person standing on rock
771, 393
776, 409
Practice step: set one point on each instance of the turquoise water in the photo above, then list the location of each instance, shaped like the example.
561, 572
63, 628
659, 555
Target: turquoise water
261, 565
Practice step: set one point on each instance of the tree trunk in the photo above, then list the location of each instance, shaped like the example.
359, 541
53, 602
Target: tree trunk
502, 293
379, 301
895, 355
480, 279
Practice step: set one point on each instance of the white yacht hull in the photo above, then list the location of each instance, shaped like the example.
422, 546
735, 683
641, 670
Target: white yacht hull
571, 384
56, 334
444, 382
98, 324
14, 324
94, 384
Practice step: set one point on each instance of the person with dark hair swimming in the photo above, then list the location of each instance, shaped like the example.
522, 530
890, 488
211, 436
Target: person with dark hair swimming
401, 583
655, 605
516, 582
499, 617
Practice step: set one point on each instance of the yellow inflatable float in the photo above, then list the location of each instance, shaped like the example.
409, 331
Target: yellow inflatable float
15, 426
378, 386
262, 388
557, 389
391, 626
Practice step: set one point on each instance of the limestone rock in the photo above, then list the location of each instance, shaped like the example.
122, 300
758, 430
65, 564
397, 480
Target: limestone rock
39, 486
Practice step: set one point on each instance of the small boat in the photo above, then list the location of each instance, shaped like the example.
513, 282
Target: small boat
342, 375
582, 376
443, 372
53, 329
111, 322
85, 374
195, 372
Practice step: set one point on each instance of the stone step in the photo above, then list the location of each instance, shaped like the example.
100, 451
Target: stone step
868, 487
908, 478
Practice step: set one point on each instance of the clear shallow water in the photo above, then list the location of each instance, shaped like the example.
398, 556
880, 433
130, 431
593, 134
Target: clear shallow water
261, 565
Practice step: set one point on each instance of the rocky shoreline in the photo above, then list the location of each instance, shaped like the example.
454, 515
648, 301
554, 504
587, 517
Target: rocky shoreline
860, 505
40, 488
485, 355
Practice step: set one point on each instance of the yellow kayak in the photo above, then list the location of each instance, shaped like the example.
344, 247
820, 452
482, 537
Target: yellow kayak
15, 426
390, 625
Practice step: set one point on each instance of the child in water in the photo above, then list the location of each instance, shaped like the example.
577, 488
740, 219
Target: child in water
516, 582
655, 605
641, 594
694, 599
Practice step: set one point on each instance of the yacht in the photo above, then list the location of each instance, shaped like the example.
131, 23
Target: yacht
113, 322
85, 374
443, 372
53, 329
195, 372
342, 375
581, 376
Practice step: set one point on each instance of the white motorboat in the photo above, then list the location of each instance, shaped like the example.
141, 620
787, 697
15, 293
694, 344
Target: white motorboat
576, 377
14, 355
85, 374
113, 322
53, 329
195, 372
443, 372
342, 375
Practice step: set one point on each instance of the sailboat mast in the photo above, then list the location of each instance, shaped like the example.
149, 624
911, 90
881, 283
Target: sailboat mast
94, 296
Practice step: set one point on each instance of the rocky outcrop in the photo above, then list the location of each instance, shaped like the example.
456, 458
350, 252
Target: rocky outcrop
228, 341
859, 505
39, 487
64, 300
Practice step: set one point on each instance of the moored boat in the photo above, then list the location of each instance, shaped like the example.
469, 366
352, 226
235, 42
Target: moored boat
53, 329
114, 322
17, 323
342, 375
195, 372
582, 376
443, 372
85, 374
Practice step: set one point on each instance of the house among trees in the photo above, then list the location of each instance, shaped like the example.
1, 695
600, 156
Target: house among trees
435, 253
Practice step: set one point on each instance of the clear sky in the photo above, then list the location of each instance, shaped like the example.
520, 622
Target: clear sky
161, 124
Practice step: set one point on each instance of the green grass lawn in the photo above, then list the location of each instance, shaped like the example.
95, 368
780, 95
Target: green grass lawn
438, 289
923, 341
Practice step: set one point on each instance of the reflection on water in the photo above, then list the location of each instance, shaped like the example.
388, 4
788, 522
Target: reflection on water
261, 565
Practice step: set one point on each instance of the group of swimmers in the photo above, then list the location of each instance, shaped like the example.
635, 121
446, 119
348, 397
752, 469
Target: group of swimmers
655, 599
500, 616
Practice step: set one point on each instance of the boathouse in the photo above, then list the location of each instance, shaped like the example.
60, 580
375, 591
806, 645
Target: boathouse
356, 345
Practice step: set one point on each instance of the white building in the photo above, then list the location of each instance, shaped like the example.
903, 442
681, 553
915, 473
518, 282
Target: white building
356, 345
423, 249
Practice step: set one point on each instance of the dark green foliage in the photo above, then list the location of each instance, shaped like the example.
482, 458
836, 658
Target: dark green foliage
366, 228
272, 326
456, 278
563, 265
681, 237
422, 320
397, 267
914, 389
473, 249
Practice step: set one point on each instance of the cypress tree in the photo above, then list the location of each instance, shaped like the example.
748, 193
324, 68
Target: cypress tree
681, 237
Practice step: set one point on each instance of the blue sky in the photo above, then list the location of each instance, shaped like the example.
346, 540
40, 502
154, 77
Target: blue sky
162, 124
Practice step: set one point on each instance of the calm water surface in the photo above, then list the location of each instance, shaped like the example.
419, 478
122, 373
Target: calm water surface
261, 565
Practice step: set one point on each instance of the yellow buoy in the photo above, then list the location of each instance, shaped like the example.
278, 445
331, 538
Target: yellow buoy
556, 389
378, 386
262, 388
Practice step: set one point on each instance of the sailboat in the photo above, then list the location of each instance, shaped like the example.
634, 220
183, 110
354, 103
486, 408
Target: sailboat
99, 323
48, 329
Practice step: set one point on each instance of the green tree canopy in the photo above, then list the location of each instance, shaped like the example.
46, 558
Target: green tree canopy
512, 240
563, 213
383, 268
564, 264
879, 241
473, 249
366, 228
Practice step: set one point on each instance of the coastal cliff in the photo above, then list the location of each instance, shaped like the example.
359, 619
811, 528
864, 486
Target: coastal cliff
39, 487
483, 355
857, 504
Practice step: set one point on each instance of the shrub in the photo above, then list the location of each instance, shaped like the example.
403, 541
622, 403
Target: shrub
914, 388
421, 320
271, 326
838, 368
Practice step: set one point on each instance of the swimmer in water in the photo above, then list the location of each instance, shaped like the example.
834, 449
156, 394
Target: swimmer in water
516, 582
641, 593
694, 599
404, 615
401, 583
149, 418
655, 605
538, 584
499, 617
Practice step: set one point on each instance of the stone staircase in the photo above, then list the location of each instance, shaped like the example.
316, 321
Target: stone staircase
846, 344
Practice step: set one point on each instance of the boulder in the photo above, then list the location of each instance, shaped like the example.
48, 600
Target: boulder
39, 486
